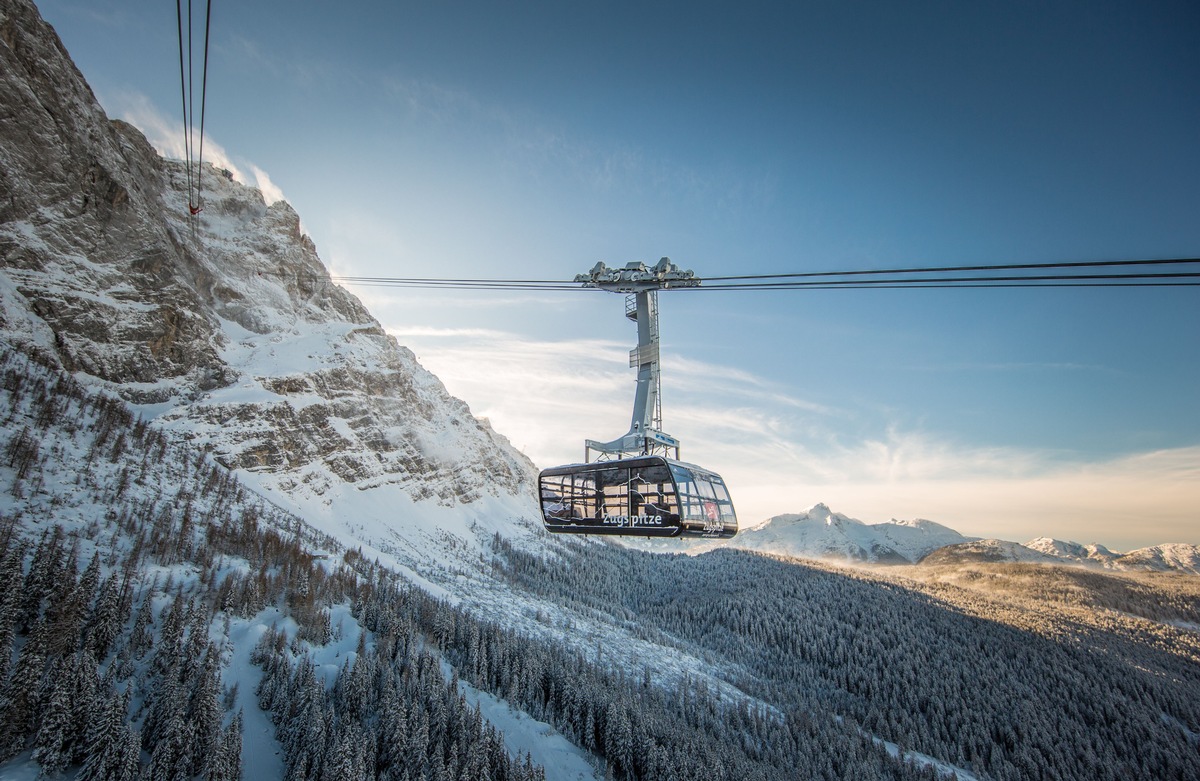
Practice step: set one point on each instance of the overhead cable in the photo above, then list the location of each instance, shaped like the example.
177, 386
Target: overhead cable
859, 279
948, 269
188, 94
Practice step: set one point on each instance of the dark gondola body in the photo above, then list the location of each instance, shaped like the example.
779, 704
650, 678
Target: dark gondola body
645, 496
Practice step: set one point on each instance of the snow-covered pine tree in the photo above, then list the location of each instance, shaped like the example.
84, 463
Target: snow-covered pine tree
52, 744
106, 739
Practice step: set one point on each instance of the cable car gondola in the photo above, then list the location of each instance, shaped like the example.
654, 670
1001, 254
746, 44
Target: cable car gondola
648, 496
638, 486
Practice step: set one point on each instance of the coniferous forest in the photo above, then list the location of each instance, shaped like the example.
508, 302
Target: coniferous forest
127, 564
114, 627
1002, 692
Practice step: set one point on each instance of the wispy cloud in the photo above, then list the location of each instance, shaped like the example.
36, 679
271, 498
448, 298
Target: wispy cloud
716, 379
1020, 366
439, 102
542, 146
271, 191
1124, 502
448, 333
167, 137
308, 71
784, 454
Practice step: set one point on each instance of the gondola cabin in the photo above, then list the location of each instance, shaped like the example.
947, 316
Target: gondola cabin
646, 496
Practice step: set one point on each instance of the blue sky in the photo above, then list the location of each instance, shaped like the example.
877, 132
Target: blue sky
464, 139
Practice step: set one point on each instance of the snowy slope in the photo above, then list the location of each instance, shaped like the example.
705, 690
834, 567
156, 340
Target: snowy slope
1094, 554
1172, 556
912, 539
988, 551
121, 496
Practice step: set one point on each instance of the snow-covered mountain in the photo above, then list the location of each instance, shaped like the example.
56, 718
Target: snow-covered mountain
1172, 556
823, 533
976, 551
226, 329
1074, 551
1176, 557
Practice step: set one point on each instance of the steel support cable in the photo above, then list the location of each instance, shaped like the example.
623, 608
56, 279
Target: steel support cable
459, 284
1064, 282
861, 279
426, 286
1059, 280
188, 95
964, 281
919, 284
203, 103
946, 269
183, 91
435, 280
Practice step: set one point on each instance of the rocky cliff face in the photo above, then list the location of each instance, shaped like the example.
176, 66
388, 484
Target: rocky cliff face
226, 328
78, 235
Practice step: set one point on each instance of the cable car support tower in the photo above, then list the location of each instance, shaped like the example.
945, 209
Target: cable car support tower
640, 286
637, 485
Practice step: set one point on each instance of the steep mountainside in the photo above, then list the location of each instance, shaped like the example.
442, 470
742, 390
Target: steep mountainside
225, 329
155, 615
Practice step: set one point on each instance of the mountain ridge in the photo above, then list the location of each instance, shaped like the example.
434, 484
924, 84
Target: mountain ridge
821, 533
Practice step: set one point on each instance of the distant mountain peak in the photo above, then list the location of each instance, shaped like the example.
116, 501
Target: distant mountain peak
918, 523
821, 532
1047, 550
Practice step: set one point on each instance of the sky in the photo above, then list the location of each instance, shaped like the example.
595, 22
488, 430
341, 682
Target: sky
531, 140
